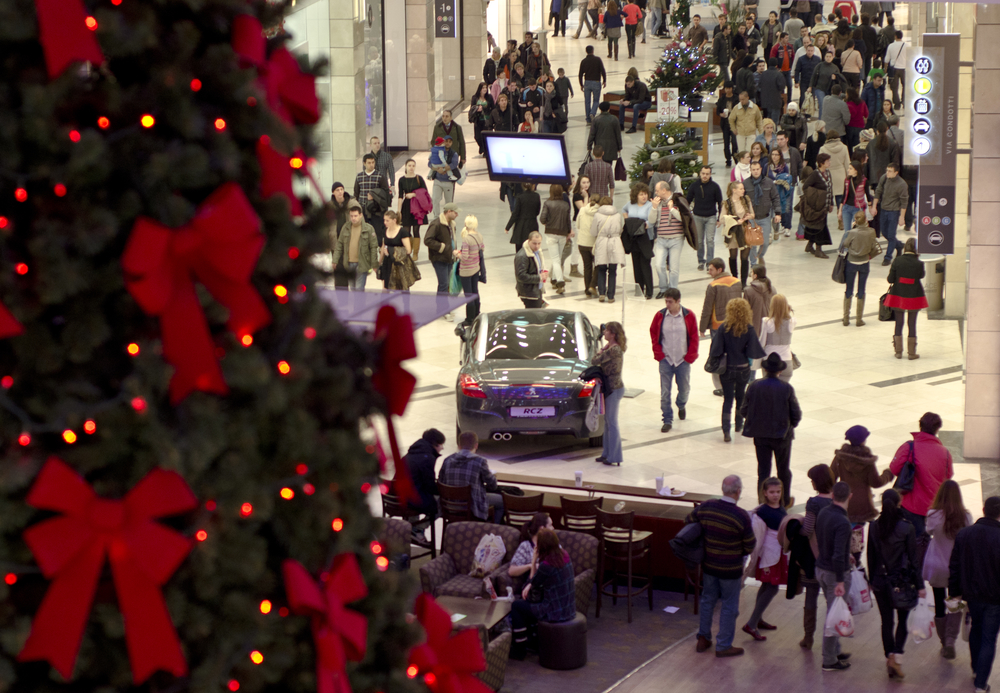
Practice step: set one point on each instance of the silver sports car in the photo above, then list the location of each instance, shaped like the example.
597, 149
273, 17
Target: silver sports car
520, 374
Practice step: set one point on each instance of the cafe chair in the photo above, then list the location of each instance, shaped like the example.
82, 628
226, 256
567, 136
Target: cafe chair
455, 503
448, 574
391, 507
395, 535
518, 510
581, 515
563, 646
584, 554
622, 545
497, 653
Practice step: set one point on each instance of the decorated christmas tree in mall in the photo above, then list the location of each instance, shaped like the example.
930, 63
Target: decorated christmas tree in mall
186, 428
681, 16
686, 69
670, 141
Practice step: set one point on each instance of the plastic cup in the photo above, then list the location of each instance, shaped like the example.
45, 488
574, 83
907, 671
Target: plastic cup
578, 478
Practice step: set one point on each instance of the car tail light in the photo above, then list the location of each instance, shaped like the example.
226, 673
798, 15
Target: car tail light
588, 388
470, 387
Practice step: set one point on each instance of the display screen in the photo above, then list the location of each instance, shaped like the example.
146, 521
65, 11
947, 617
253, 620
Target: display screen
524, 158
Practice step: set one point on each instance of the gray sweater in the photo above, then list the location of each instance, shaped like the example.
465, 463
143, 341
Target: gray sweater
892, 193
836, 115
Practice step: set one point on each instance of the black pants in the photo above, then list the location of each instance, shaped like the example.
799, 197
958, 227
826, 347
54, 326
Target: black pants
729, 145
524, 624
782, 449
589, 279
607, 280
891, 643
630, 39
643, 273
470, 286
734, 387
559, 20
939, 606
532, 302
911, 321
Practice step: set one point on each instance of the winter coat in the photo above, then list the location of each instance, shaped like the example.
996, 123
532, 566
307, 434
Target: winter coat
933, 462
505, 120
440, 239
836, 114
606, 132
556, 217
855, 465
772, 86
813, 144
368, 254
973, 569
746, 121
527, 278
891, 554
758, 295
840, 157
763, 195
607, 231
939, 551
524, 219
457, 138
907, 292
420, 459
873, 98
861, 244
812, 204
825, 76
584, 222
770, 408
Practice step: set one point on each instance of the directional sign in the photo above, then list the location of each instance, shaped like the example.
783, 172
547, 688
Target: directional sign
444, 19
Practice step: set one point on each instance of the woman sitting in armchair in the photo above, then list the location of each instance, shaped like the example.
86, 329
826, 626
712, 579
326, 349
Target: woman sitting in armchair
549, 595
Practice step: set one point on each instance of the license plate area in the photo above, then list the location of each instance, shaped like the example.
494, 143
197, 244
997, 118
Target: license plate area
532, 412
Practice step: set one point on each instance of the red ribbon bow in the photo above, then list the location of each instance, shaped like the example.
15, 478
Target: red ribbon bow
394, 334
63, 33
291, 93
71, 548
9, 326
219, 248
448, 663
339, 633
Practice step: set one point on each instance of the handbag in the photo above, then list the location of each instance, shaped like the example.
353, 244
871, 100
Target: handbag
620, 173
454, 281
907, 475
753, 234
884, 311
903, 583
876, 251
840, 268
586, 160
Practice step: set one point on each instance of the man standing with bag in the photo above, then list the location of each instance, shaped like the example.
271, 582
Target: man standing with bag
833, 566
440, 242
974, 575
933, 467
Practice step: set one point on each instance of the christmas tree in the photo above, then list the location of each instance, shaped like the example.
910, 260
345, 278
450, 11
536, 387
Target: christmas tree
185, 426
681, 16
687, 69
670, 139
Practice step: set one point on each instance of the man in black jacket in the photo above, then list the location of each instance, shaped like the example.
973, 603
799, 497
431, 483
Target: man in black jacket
723, 107
636, 98
706, 200
974, 575
592, 78
606, 132
764, 197
833, 565
530, 272
771, 413
722, 50
420, 459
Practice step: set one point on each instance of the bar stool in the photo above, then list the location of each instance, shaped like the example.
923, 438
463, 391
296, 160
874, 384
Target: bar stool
518, 510
581, 515
456, 505
620, 543
391, 507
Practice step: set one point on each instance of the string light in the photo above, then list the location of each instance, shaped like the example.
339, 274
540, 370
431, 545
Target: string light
280, 291
293, 252
59, 189
283, 611
74, 135
220, 124
412, 671
116, 3
233, 685
147, 121
195, 84
284, 368
10, 578
103, 123
133, 349
210, 506
287, 493
24, 439
295, 162
308, 489
246, 340
251, 101
309, 332
21, 268
337, 524
246, 510
69, 436
201, 535
376, 548
4, 222
90, 426
382, 563
265, 606
139, 404
301, 469
7, 381
430, 679
91, 23
366, 487
256, 657
20, 194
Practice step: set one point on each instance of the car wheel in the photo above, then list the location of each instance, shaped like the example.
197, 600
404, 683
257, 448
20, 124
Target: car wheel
596, 441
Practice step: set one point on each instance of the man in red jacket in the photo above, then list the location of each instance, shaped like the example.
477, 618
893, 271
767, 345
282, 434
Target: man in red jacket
675, 346
934, 467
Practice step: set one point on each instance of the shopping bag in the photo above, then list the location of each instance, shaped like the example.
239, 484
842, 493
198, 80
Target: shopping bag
839, 620
620, 173
454, 281
861, 594
966, 626
921, 621
488, 555
840, 268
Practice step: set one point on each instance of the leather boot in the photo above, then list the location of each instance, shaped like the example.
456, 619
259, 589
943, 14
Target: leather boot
415, 245
574, 271
847, 312
616, 51
809, 627
897, 344
952, 629
725, 429
860, 311
895, 666
940, 626
911, 348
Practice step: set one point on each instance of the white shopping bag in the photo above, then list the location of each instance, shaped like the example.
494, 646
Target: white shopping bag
921, 621
839, 620
861, 594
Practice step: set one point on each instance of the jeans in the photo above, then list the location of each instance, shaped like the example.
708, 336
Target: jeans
983, 639
357, 283
888, 221
728, 592
655, 19
554, 244
682, 373
788, 84
782, 449
441, 189
548, 126
757, 252
470, 286
667, 252
607, 279
734, 386
898, 82
637, 110
591, 98
892, 643
612, 435
828, 582
847, 212
861, 272
443, 272
496, 500
820, 95
729, 145
704, 229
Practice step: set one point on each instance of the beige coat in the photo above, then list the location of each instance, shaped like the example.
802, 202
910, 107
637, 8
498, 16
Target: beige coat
840, 157
746, 121
584, 219
607, 229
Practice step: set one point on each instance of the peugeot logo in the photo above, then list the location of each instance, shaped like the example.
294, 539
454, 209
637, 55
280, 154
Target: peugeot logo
532, 393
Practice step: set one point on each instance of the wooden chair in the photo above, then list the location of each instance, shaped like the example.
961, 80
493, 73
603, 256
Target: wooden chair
581, 515
391, 507
518, 510
456, 504
692, 579
621, 544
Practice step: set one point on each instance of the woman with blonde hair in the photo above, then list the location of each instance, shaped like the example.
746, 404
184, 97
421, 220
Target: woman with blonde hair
946, 517
769, 138
471, 267
776, 333
734, 344
398, 270
736, 210
610, 359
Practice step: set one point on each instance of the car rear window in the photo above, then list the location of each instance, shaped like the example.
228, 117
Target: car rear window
531, 337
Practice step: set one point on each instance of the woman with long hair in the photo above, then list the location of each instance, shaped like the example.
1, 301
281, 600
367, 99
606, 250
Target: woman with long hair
741, 171
409, 183
892, 550
946, 517
859, 116
399, 272
906, 297
855, 196
779, 173
736, 340
471, 265
776, 333
558, 222
736, 210
758, 154
861, 246
613, 26
529, 126
643, 250
883, 115
610, 358
882, 151
768, 138
584, 206
479, 114
548, 595
520, 564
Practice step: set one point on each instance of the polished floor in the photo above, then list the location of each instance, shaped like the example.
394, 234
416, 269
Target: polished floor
848, 375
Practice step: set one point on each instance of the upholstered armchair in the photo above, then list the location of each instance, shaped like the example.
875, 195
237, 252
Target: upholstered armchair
448, 574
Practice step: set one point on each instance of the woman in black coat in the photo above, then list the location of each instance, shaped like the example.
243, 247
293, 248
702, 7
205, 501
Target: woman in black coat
480, 109
892, 550
906, 296
524, 218
736, 340
814, 205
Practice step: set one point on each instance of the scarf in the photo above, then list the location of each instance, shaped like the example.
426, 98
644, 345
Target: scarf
757, 192
744, 171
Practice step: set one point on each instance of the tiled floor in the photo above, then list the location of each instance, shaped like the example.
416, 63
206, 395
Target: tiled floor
848, 374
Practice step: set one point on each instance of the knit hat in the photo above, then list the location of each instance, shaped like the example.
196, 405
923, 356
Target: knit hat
336, 185
868, 135
857, 435
439, 142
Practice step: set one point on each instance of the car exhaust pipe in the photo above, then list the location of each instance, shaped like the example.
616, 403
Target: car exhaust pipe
498, 436
507, 436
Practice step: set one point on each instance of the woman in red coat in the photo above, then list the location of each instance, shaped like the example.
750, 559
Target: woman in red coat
906, 295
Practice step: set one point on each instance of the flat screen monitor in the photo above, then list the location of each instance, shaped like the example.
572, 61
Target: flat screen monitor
527, 158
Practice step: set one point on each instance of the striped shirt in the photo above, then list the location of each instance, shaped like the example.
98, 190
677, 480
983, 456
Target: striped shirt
602, 177
670, 223
472, 247
728, 536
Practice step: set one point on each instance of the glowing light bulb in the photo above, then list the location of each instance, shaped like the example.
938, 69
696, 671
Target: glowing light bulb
21, 268
256, 657
196, 85
59, 189
382, 563
287, 493
337, 524
220, 124
284, 368
201, 535
10, 578
280, 290
246, 510
91, 23
69, 436
90, 426
309, 332
24, 439
103, 123
246, 340
133, 349
265, 606
147, 121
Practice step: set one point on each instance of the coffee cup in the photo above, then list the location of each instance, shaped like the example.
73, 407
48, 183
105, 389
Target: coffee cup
578, 477
659, 483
